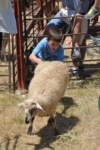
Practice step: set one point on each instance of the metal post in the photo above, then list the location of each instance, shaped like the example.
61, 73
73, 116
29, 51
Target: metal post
19, 47
40, 5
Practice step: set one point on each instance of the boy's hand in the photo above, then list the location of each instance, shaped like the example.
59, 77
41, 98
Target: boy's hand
40, 61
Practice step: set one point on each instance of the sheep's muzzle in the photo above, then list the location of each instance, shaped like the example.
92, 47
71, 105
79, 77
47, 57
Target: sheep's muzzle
26, 120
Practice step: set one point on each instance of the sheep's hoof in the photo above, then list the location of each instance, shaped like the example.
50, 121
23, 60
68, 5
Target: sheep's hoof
56, 132
29, 130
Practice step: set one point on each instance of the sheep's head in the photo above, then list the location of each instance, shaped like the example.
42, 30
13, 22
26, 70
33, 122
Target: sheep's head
31, 109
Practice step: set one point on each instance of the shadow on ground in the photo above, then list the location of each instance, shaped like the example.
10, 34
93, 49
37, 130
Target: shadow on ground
64, 124
67, 102
9, 141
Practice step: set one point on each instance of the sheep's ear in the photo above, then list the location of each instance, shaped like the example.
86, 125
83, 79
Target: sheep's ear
38, 106
20, 104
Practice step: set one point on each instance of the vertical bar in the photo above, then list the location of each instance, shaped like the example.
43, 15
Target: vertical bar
47, 9
19, 47
13, 60
9, 61
40, 5
52, 4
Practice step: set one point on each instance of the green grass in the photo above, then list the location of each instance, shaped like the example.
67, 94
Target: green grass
78, 120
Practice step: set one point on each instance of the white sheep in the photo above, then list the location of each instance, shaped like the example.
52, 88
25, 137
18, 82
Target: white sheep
46, 88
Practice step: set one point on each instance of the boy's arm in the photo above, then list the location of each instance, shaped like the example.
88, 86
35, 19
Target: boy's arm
34, 59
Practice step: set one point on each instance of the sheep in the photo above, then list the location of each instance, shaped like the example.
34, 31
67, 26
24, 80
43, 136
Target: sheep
46, 88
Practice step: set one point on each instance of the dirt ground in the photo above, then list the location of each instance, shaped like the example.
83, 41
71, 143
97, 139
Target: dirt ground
78, 120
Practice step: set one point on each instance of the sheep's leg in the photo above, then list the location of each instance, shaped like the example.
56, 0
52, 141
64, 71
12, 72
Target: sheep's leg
52, 122
55, 126
30, 128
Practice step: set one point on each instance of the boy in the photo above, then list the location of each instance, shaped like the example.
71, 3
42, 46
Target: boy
94, 10
49, 48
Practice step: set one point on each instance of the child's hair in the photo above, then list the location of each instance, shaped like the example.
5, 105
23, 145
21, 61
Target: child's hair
55, 34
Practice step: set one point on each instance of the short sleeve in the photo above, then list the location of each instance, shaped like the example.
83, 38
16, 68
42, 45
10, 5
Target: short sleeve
61, 54
37, 50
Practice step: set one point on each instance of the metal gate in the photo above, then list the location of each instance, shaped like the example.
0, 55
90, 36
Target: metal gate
15, 70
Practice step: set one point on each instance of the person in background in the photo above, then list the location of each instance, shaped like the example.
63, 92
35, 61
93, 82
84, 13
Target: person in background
49, 48
80, 24
7, 19
94, 10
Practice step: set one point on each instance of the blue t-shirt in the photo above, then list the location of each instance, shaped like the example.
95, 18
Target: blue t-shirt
72, 4
43, 51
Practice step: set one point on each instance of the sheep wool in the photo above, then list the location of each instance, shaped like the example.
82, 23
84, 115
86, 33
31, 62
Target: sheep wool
48, 85
46, 88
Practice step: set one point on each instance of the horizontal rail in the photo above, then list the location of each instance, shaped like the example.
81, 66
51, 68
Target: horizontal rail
4, 75
86, 78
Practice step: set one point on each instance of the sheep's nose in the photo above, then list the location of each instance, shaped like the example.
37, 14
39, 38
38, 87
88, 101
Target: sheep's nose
26, 121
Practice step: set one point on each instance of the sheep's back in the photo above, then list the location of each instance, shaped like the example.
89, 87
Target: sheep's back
49, 83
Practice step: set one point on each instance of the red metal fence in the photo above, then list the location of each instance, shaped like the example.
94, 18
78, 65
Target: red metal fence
28, 32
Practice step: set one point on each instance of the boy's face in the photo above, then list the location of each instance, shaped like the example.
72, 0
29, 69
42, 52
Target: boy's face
53, 45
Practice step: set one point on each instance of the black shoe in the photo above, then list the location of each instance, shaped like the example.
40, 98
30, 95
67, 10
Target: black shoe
75, 73
81, 67
84, 74
81, 73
